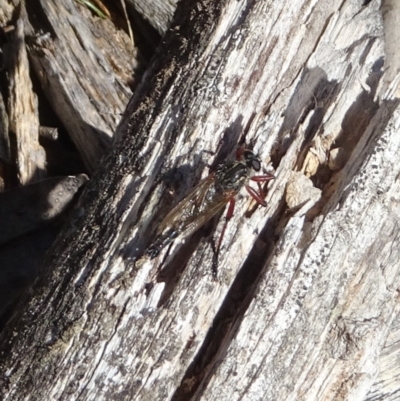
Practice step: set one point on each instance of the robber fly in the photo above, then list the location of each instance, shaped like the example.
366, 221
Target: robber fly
209, 197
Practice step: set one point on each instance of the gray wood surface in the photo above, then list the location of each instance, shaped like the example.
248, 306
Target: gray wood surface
158, 13
306, 301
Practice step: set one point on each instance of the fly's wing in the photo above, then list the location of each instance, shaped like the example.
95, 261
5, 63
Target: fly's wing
195, 209
204, 216
188, 206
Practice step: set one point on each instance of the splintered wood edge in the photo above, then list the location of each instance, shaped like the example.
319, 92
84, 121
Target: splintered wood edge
88, 102
23, 114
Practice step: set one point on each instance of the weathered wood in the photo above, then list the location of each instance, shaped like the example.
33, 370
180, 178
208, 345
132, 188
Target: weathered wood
391, 21
7, 10
30, 219
5, 151
304, 301
386, 386
88, 89
322, 310
158, 13
49, 133
25, 209
23, 112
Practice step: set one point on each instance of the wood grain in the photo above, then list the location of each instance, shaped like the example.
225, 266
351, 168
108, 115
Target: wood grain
306, 296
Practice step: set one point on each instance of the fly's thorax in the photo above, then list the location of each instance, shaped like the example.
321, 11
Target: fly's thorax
231, 176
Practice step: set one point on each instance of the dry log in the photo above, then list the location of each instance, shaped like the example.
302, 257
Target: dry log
305, 295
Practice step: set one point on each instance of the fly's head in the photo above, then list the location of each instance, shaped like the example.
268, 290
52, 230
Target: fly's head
233, 175
247, 157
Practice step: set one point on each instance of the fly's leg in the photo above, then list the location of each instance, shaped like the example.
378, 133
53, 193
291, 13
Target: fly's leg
258, 196
229, 215
161, 242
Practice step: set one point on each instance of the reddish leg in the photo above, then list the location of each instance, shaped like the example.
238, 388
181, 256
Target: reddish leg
229, 215
258, 196
262, 178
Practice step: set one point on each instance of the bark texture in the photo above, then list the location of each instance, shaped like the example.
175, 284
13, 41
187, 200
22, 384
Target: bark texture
306, 302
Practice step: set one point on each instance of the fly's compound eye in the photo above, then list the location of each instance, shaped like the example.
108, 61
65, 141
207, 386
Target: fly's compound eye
256, 164
252, 160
